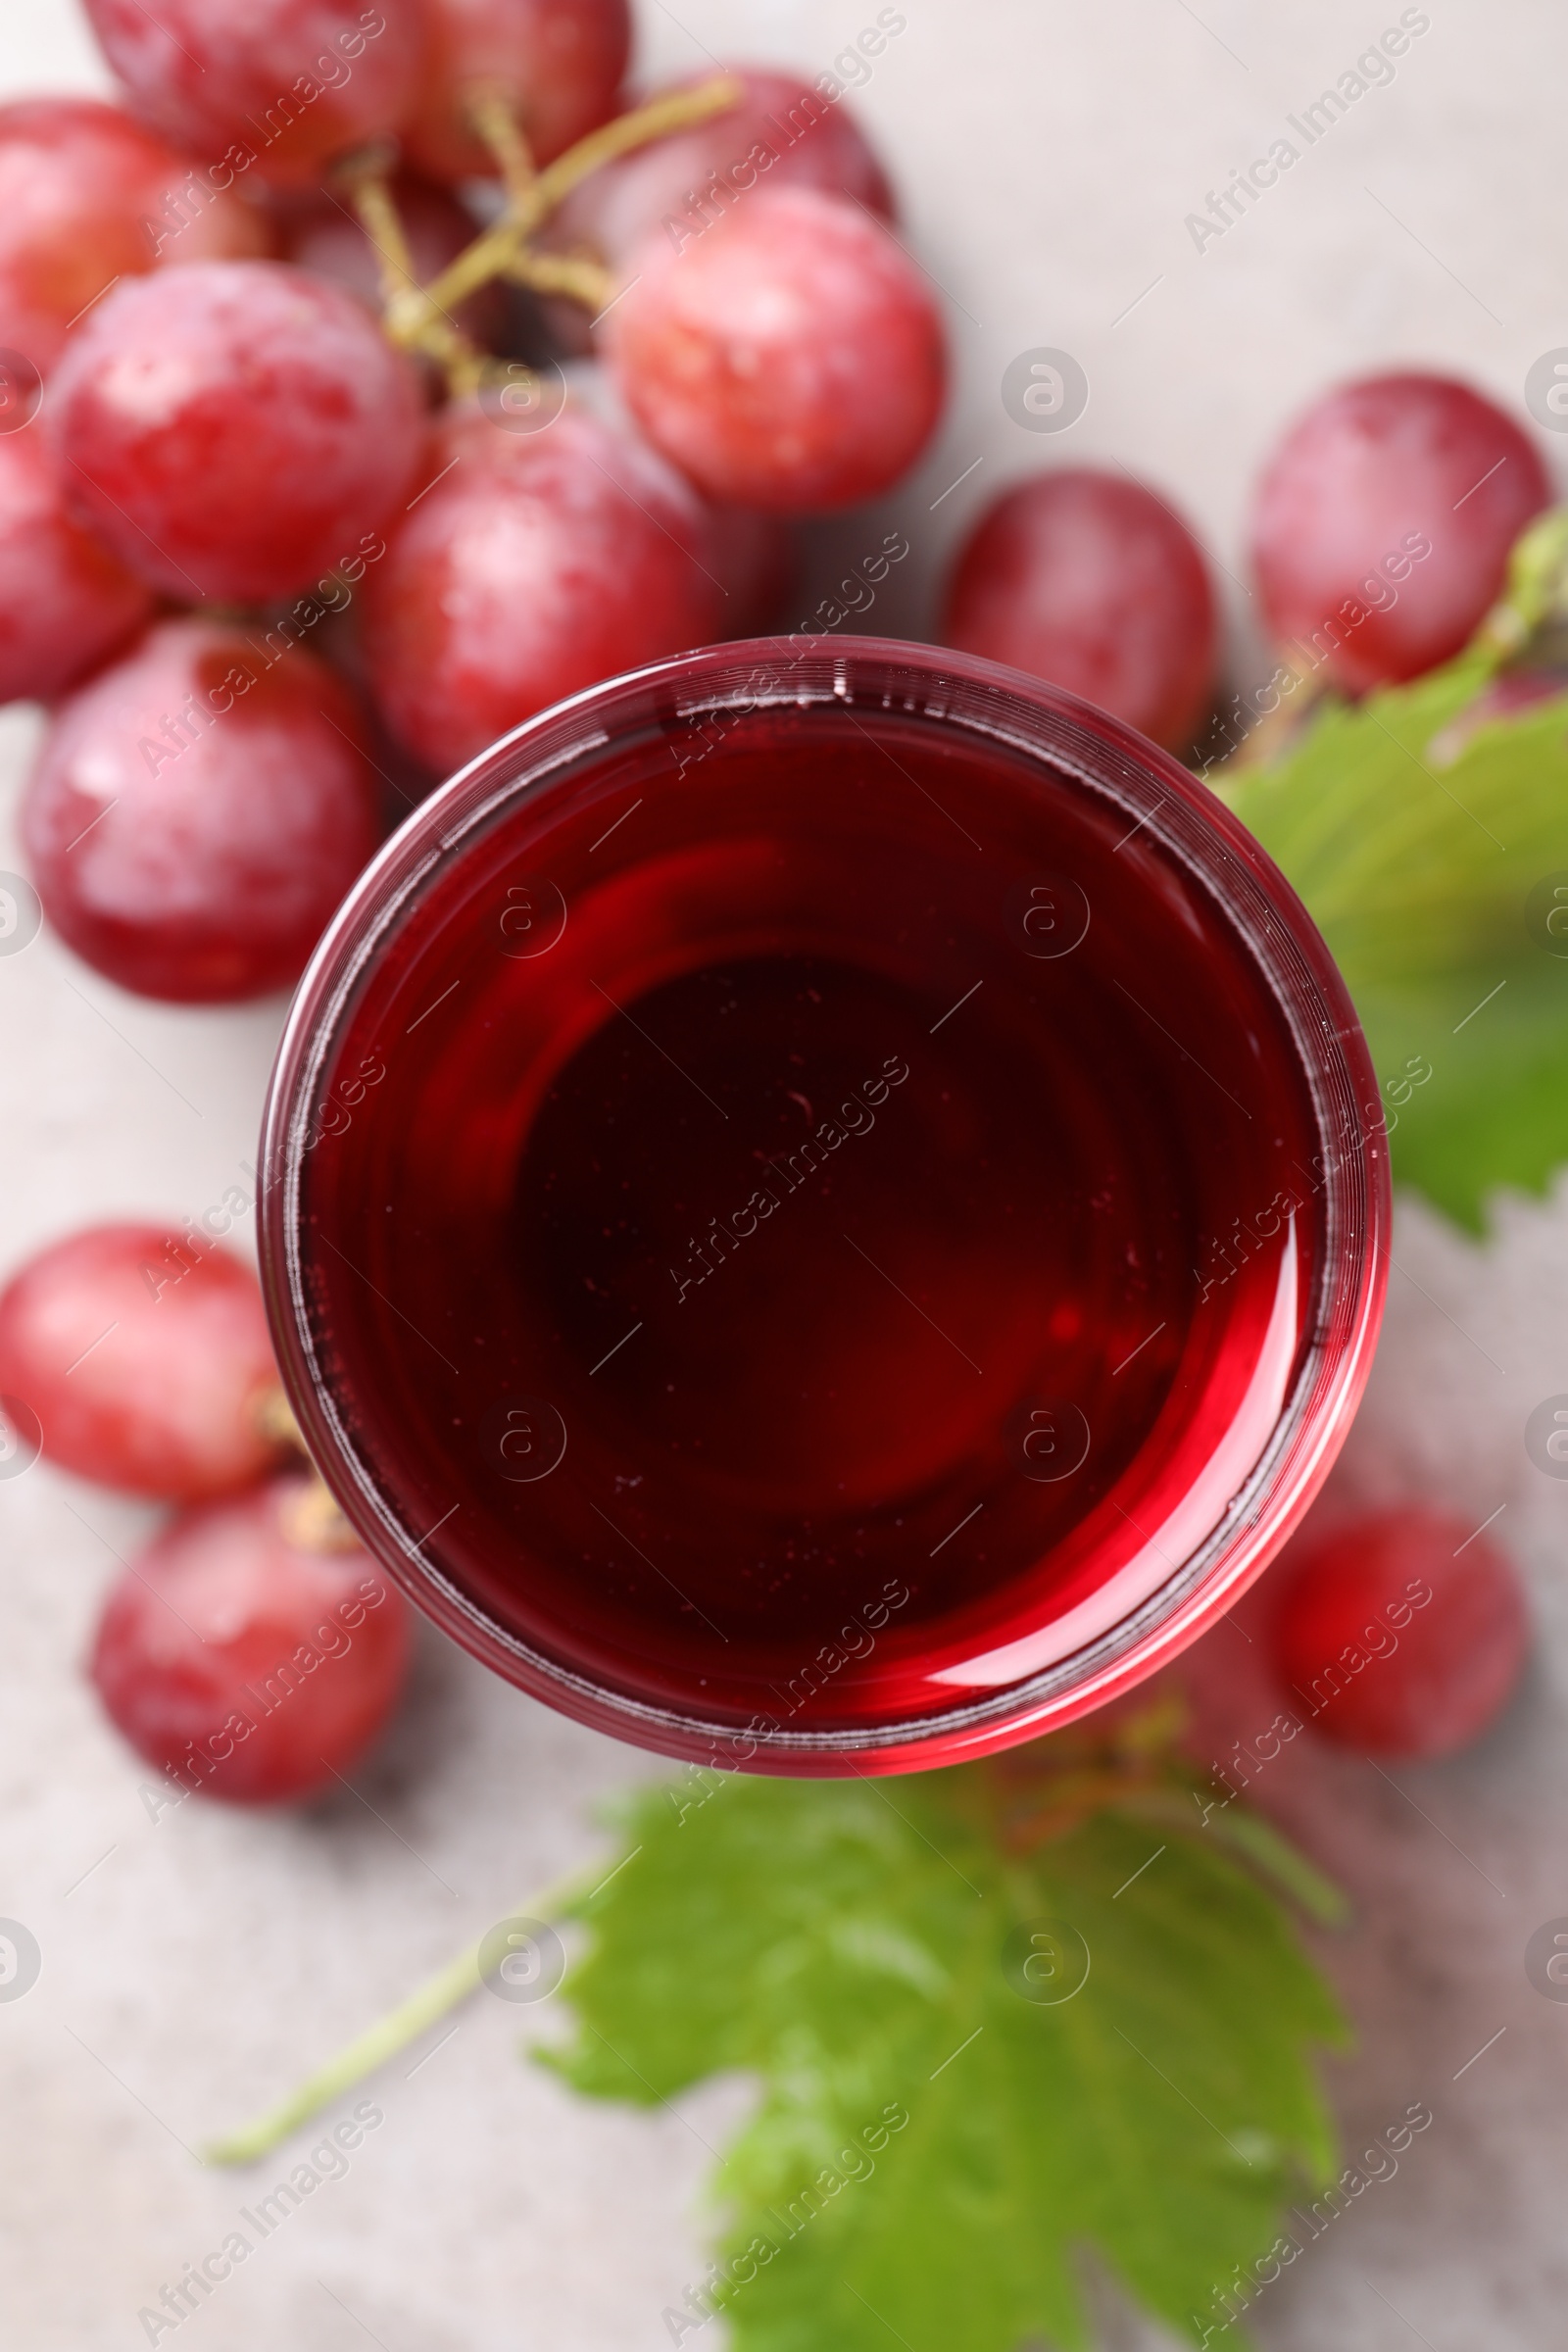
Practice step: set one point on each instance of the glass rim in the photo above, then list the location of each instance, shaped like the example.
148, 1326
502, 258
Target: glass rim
1200, 835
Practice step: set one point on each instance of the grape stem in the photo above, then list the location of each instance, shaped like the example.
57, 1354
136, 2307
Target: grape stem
420, 319
677, 110
496, 121
370, 2051
366, 175
586, 281
404, 310
493, 253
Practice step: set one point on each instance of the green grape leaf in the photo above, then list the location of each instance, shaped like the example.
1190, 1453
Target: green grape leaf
978, 2056
1424, 828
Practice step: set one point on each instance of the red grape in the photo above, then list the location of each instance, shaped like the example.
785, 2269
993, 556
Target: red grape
791, 357
1403, 1632
782, 132
557, 62
234, 428
540, 563
753, 558
65, 602
327, 239
246, 1658
143, 1355
1384, 522
198, 810
1090, 580
88, 196
280, 87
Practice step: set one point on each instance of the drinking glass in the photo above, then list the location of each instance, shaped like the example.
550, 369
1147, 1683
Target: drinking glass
824, 1207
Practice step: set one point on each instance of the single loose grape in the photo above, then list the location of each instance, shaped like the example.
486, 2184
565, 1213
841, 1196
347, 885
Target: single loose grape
255, 1651
199, 809
1090, 580
234, 428
791, 357
1384, 522
1402, 1633
143, 1355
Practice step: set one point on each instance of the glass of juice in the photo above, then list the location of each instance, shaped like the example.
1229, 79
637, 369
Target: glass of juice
824, 1208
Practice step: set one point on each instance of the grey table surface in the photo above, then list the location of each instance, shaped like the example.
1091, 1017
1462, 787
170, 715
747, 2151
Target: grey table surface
195, 1965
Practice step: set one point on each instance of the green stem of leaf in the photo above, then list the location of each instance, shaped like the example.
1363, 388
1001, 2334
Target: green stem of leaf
371, 2049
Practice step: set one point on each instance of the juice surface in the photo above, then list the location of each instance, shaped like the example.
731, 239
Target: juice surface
818, 1228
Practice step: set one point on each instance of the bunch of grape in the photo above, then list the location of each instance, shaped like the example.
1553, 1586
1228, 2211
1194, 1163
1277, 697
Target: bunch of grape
287, 508
286, 513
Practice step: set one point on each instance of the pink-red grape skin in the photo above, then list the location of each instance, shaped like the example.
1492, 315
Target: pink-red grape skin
79, 183
1090, 581
274, 86
195, 815
538, 564
1383, 525
145, 1356
1378, 1667
791, 357
782, 132
234, 428
252, 1668
65, 602
557, 62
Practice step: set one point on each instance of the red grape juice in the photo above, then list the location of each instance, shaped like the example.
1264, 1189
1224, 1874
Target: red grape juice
810, 1220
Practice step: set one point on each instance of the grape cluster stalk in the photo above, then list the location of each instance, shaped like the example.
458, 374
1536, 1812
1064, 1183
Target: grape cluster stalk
421, 319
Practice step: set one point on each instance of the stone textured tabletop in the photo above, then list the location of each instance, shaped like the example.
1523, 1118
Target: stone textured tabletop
195, 1965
